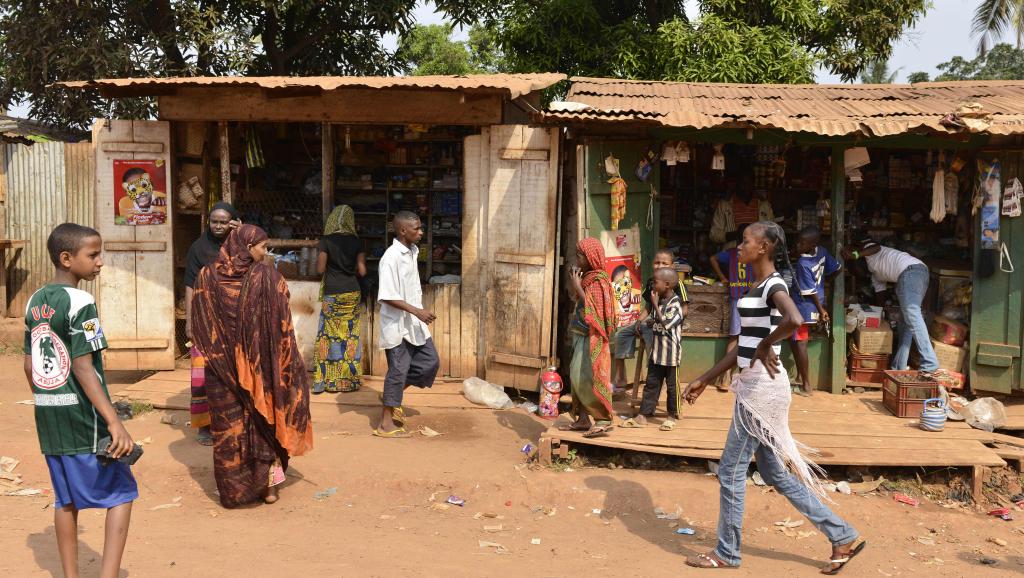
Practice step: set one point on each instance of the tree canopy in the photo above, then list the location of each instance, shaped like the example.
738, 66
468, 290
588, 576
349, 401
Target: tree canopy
430, 49
1001, 62
780, 41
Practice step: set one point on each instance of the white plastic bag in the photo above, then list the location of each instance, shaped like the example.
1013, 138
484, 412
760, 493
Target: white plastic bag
481, 392
985, 413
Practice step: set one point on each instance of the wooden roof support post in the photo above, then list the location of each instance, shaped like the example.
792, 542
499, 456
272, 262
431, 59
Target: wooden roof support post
838, 287
225, 162
327, 167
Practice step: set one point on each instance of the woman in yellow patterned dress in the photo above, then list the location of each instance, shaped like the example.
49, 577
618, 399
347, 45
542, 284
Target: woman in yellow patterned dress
337, 354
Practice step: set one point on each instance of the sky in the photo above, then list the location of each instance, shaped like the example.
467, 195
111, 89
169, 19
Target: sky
943, 33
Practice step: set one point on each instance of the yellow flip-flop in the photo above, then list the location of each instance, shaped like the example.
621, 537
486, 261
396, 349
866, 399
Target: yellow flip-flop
395, 433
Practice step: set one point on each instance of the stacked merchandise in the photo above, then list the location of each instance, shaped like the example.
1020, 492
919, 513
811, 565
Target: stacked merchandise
871, 346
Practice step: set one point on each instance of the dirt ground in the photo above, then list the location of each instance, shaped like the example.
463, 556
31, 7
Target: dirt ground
386, 517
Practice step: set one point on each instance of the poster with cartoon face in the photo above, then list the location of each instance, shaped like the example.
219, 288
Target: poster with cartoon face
626, 285
140, 192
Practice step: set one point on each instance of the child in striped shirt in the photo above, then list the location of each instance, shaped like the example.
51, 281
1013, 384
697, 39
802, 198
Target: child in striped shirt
667, 317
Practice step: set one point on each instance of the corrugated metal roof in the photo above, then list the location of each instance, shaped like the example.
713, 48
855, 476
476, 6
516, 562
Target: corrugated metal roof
828, 110
515, 84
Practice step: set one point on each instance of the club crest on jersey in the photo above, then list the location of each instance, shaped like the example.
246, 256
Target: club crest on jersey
51, 364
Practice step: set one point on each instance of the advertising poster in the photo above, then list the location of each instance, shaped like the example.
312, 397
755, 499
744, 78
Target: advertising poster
626, 284
140, 192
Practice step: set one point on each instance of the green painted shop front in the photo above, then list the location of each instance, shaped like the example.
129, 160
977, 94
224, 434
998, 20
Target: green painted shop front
997, 314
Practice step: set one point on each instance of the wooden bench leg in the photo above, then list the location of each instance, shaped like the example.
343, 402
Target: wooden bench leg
978, 483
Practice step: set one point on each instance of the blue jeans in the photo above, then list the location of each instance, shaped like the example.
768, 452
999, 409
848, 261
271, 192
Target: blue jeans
740, 447
910, 289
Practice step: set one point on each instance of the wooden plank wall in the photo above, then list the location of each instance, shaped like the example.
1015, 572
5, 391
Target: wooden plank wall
445, 301
136, 288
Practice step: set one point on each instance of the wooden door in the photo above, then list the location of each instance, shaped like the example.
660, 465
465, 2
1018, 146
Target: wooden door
520, 248
136, 286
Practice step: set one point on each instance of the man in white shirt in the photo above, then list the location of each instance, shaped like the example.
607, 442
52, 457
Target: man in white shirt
405, 337
910, 275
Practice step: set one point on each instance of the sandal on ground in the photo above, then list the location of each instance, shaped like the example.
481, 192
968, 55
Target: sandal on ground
630, 423
667, 425
837, 564
573, 427
395, 433
801, 392
204, 438
270, 495
598, 431
707, 561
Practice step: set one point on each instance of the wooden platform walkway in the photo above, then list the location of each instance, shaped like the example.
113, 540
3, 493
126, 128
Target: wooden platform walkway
172, 390
848, 430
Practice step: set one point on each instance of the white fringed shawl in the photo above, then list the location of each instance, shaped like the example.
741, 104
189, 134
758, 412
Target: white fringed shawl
764, 403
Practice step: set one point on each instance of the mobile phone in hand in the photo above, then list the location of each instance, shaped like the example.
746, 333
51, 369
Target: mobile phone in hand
130, 458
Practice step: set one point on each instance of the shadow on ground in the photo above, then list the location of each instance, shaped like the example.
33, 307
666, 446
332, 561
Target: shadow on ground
44, 548
631, 503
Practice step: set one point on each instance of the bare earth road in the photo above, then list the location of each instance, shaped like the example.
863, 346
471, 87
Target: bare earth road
382, 521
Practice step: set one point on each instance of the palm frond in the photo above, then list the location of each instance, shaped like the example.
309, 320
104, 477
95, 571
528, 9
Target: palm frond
991, 17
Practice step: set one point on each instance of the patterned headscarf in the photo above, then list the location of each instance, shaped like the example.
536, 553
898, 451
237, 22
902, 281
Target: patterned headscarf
235, 259
341, 220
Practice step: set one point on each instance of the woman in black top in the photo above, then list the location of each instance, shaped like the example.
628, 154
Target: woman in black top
223, 219
337, 354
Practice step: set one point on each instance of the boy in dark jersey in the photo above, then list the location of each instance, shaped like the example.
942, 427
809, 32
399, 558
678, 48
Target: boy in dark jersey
64, 365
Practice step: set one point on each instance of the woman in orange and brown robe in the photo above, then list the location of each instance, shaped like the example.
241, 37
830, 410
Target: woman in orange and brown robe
256, 381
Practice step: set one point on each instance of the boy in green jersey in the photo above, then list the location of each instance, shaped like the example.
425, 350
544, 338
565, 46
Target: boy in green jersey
64, 365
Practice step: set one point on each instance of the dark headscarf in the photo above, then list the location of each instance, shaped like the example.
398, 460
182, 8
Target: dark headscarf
206, 248
242, 323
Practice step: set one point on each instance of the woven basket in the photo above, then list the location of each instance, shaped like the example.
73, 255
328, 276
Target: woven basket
709, 309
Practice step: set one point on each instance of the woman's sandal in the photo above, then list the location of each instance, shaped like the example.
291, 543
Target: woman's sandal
834, 566
668, 425
395, 433
598, 431
707, 561
630, 423
573, 427
270, 495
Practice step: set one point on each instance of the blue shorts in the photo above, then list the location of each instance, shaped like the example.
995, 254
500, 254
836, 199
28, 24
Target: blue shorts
83, 482
624, 342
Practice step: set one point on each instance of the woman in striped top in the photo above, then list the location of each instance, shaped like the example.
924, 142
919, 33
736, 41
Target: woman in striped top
761, 414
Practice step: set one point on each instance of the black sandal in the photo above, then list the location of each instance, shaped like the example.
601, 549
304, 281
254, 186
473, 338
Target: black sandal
843, 561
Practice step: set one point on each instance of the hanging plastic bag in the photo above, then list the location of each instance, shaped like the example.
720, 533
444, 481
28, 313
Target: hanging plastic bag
481, 392
952, 190
718, 160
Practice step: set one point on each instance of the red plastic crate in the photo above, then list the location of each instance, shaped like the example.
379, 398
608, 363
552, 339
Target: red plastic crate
867, 375
903, 397
869, 361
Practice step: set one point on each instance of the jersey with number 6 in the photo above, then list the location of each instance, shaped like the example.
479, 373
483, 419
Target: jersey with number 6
61, 324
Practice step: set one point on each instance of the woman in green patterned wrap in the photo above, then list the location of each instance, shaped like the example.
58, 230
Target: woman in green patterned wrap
337, 354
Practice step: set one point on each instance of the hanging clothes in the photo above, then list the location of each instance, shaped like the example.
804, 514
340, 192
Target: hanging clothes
938, 212
618, 200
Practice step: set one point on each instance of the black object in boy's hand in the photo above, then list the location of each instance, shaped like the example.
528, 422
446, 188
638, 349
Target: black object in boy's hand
130, 458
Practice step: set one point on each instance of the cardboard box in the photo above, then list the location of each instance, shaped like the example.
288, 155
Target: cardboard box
873, 340
951, 357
